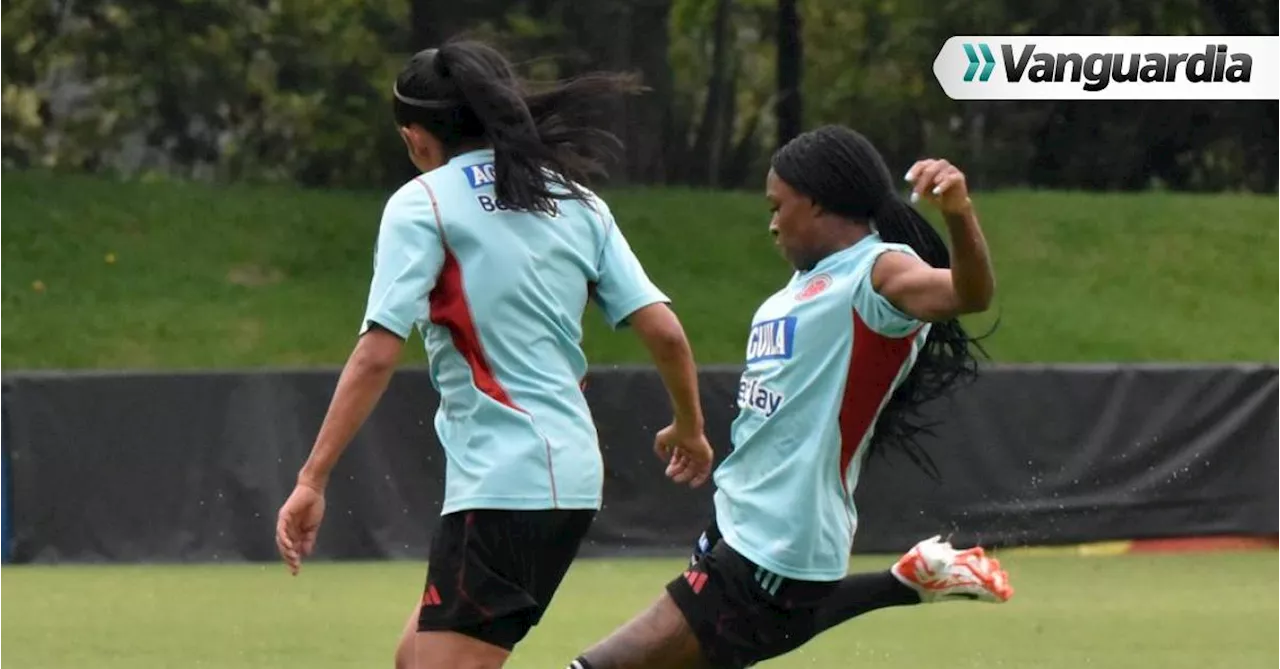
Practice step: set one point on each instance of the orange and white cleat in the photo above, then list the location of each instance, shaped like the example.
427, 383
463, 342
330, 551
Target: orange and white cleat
941, 573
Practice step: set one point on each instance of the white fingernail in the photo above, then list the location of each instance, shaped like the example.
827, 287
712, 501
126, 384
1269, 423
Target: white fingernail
937, 190
907, 177
915, 197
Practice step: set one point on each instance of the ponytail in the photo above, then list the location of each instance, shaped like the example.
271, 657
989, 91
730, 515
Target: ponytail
946, 360
897, 222
544, 148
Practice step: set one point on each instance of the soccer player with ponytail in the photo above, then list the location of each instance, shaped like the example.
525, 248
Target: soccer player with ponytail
492, 254
838, 364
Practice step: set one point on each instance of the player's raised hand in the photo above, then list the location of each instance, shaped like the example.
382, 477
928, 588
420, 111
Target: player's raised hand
687, 453
941, 183
297, 525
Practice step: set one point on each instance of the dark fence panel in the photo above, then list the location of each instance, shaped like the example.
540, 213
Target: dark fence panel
1042, 455
159, 467
4, 476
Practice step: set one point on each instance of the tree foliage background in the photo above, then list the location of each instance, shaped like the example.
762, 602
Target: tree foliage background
298, 90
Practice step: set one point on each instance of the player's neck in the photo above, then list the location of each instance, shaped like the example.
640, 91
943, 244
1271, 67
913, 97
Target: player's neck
468, 147
847, 237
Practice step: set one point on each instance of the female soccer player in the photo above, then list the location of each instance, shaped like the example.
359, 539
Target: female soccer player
492, 254
838, 362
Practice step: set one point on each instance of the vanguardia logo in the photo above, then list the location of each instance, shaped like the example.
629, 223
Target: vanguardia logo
1112, 67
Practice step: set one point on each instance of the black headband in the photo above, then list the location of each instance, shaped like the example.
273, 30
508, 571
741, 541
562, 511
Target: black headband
421, 104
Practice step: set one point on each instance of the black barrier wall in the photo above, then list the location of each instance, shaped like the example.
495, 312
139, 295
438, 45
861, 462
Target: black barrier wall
143, 467
6, 487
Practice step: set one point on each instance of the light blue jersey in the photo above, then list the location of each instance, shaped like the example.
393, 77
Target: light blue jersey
498, 297
824, 355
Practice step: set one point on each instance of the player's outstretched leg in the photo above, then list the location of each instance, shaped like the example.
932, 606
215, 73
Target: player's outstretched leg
863, 593
932, 571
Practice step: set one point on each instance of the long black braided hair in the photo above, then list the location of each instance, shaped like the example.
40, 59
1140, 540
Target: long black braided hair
842, 172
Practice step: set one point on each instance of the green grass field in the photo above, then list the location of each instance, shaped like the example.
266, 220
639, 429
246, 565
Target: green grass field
1126, 612
98, 274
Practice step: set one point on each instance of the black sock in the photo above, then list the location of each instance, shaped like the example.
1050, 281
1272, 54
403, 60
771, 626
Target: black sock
862, 593
580, 663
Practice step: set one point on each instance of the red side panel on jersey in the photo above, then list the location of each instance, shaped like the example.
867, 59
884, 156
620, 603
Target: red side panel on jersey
873, 365
449, 309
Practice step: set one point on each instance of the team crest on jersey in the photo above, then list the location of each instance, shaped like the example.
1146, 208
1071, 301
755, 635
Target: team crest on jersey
813, 286
480, 175
772, 340
755, 396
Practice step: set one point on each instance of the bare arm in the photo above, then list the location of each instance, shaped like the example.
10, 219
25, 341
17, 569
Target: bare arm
626, 295
660, 331
364, 379
932, 294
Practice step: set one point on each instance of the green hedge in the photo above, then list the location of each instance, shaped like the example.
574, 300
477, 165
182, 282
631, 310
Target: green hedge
104, 274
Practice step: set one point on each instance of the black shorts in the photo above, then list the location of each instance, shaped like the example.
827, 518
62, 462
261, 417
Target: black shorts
743, 614
492, 573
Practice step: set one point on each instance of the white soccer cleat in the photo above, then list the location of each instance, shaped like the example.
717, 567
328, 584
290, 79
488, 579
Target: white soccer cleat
940, 573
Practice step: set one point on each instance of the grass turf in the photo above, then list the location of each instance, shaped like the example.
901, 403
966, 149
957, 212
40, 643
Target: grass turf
1190, 611
98, 274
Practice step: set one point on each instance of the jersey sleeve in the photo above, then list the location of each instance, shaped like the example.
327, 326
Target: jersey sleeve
877, 311
407, 260
622, 287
